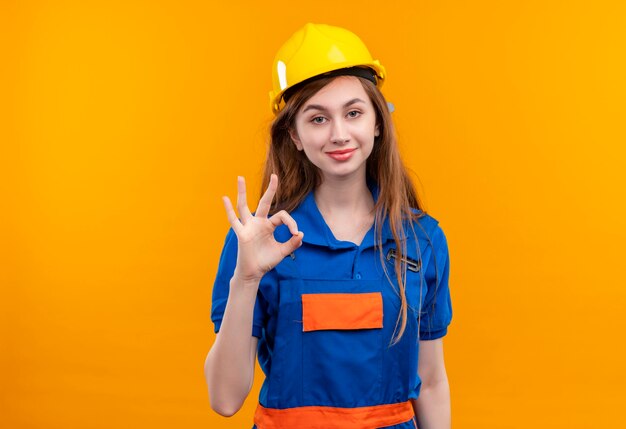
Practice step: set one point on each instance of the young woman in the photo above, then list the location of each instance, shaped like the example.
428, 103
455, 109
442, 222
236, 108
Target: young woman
339, 280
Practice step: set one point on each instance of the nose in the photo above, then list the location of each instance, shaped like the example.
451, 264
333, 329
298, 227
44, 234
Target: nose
339, 133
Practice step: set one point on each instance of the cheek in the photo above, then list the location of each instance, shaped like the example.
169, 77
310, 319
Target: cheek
368, 134
312, 151
370, 148
313, 139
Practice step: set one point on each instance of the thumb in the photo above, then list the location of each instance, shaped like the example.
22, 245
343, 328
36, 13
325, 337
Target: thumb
292, 244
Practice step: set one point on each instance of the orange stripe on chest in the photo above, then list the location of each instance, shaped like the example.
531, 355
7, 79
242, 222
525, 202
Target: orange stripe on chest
325, 311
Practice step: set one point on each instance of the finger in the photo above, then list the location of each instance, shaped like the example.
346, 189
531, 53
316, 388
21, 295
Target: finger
292, 244
232, 216
242, 203
282, 217
265, 203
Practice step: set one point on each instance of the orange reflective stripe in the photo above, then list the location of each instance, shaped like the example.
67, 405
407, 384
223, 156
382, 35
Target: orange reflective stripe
342, 311
377, 416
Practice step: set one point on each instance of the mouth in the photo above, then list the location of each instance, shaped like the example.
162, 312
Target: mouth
341, 152
341, 155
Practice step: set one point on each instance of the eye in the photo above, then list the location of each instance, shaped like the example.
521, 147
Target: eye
354, 113
318, 120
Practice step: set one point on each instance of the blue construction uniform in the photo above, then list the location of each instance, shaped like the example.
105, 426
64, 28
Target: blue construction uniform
338, 367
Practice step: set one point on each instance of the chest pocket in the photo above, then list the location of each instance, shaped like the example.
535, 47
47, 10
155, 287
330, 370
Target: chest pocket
342, 345
412, 265
414, 277
331, 311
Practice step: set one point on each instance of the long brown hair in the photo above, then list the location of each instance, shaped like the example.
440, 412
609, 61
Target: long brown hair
298, 176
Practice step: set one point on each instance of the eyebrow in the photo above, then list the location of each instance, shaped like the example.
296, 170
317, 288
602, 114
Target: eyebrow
319, 107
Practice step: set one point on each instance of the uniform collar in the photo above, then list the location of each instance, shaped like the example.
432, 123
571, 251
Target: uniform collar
317, 232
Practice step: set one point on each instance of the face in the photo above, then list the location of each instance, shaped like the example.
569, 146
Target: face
336, 128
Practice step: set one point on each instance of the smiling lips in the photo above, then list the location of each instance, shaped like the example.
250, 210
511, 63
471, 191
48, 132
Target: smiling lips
341, 155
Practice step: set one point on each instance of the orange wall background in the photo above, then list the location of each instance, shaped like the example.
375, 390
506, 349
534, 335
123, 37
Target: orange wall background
126, 121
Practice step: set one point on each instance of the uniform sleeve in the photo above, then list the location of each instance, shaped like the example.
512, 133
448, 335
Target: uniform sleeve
221, 288
436, 311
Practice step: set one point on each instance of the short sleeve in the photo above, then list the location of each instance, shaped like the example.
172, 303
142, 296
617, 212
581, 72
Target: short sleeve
436, 311
221, 288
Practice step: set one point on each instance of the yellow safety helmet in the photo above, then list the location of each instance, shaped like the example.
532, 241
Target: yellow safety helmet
317, 49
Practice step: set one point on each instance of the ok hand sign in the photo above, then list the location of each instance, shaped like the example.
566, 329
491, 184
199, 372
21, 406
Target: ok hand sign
258, 251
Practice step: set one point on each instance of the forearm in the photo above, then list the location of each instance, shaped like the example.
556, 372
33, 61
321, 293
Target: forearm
229, 367
432, 407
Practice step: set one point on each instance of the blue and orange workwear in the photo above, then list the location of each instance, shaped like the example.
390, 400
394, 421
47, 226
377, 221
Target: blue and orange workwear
326, 317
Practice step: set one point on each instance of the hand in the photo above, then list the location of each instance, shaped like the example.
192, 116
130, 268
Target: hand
258, 251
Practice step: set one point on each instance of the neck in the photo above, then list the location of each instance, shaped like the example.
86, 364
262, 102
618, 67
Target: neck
349, 196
